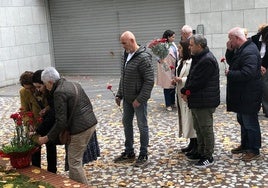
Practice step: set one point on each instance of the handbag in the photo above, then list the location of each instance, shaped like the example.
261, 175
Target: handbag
65, 135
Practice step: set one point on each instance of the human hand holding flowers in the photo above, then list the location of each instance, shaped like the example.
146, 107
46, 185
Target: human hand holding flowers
223, 60
117, 99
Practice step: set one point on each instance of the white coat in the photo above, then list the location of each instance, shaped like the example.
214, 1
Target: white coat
186, 128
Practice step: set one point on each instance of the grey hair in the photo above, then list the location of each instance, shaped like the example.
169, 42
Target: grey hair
50, 74
187, 29
237, 32
200, 39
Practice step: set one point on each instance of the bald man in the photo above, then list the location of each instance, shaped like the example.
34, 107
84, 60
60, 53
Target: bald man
135, 87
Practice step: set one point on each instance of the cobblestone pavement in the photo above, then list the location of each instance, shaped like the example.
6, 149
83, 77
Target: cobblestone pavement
167, 167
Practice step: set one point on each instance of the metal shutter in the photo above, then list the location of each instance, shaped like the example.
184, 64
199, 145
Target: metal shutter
86, 32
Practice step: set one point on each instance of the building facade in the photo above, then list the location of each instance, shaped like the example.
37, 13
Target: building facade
82, 37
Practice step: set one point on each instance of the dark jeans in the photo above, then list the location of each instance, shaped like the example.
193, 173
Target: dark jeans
141, 116
203, 125
250, 132
169, 96
51, 158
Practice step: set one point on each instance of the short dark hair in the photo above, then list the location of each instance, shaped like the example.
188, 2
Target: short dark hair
37, 77
200, 40
26, 78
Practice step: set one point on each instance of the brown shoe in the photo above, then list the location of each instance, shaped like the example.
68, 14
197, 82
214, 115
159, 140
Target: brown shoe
237, 150
249, 156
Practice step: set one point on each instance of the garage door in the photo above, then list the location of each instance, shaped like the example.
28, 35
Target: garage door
86, 33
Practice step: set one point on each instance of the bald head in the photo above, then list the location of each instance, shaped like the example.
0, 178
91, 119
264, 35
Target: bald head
128, 42
128, 35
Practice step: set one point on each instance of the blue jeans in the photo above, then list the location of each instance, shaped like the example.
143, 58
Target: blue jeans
141, 115
169, 95
250, 132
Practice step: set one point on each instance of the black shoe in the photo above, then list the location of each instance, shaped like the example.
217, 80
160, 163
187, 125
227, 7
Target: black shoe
191, 145
185, 150
203, 163
237, 150
194, 157
192, 152
125, 158
142, 161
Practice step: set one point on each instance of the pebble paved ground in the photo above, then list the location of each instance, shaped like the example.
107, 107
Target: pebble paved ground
167, 167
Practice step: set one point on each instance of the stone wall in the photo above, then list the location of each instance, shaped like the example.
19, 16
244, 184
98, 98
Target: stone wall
219, 16
24, 38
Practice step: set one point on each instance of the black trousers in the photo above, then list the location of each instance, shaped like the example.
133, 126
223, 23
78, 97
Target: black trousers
51, 151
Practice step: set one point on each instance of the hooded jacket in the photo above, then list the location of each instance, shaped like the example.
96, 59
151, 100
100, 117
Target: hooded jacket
137, 77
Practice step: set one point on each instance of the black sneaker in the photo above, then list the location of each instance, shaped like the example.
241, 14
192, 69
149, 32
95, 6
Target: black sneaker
193, 157
203, 163
125, 158
142, 161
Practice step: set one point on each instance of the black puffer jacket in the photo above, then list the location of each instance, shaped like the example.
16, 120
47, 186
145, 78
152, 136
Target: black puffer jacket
244, 86
64, 97
137, 77
202, 85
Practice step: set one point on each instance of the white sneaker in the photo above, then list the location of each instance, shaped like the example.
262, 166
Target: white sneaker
169, 108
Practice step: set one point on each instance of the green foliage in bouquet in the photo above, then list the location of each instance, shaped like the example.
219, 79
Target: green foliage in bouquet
159, 47
21, 141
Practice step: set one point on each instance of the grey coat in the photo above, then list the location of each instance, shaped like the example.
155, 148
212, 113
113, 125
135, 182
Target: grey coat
137, 77
64, 98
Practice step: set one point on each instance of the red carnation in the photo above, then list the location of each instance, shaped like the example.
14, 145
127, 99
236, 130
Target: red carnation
187, 92
223, 59
109, 86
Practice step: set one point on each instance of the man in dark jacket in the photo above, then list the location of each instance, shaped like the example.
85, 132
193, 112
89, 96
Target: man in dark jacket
244, 91
70, 99
202, 92
136, 84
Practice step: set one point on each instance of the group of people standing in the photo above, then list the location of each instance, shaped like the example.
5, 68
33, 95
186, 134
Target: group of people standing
189, 76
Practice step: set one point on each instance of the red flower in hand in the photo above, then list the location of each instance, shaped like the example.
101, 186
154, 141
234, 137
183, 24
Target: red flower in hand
109, 87
223, 61
171, 67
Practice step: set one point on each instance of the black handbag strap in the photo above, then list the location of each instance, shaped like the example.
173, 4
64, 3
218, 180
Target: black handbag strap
75, 103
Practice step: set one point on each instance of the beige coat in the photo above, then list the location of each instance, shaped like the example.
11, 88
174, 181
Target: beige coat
166, 69
186, 128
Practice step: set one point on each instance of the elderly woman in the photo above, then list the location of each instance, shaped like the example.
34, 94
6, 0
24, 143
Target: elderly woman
81, 126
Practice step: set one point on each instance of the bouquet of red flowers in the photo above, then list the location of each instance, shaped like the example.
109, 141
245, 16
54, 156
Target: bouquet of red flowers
159, 47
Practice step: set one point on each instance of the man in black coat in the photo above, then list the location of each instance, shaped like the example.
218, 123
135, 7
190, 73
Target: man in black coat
244, 91
202, 91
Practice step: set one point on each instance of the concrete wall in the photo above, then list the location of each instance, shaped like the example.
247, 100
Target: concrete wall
24, 39
219, 16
